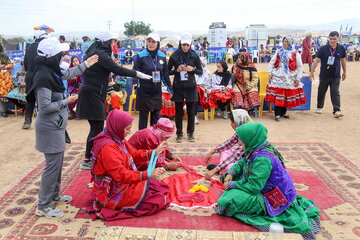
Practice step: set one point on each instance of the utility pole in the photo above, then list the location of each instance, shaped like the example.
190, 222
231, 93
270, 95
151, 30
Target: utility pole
108, 23
133, 17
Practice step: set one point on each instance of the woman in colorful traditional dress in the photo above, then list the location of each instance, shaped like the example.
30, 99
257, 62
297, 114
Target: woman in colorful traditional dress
121, 190
231, 150
284, 88
6, 81
74, 84
221, 89
18, 94
151, 137
245, 83
259, 190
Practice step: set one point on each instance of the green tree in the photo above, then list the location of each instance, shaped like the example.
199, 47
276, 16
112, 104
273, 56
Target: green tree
133, 28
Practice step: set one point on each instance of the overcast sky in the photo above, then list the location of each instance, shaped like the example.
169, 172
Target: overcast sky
18, 17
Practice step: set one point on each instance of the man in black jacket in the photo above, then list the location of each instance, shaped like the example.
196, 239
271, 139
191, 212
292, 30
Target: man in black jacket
29, 64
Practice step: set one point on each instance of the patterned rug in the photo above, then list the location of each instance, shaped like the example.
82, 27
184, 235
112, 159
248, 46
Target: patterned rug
320, 173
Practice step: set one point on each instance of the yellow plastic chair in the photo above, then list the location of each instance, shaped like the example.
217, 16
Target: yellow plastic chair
264, 79
132, 100
227, 57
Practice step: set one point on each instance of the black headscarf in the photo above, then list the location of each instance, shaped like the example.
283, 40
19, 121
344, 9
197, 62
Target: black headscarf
154, 52
226, 75
184, 56
48, 75
99, 46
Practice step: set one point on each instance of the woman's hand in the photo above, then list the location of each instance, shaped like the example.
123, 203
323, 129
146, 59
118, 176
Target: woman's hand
173, 165
161, 147
189, 68
176, 158
227, 179
296, 83
72, 98
180, 68
92, 60
208, 157
157, 172
210, 174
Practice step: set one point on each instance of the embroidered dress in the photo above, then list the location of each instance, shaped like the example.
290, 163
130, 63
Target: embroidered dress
261, 191
246, 86
6, 81
18, 94
285, 67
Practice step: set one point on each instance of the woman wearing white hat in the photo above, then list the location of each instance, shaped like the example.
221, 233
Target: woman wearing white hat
47, 88
149, 92
184, 63
92, 95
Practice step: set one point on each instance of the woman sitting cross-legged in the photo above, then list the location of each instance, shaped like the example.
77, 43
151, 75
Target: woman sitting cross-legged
151, 137
259, 190
121, 190
221, 89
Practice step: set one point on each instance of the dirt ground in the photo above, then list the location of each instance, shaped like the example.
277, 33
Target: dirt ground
18, 155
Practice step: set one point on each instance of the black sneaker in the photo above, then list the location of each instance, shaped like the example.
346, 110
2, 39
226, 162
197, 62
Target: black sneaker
286, 116
179, 138
191, 138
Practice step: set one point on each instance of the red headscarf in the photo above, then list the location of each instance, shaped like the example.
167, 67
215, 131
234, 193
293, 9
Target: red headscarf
116, 122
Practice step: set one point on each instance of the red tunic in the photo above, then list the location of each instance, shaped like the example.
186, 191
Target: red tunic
129, 185
306, 51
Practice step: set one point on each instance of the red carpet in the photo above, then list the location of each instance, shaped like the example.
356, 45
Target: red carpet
319, 172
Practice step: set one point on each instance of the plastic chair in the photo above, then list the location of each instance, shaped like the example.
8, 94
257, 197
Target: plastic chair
255, 54
227, 58
264, 79
132, 100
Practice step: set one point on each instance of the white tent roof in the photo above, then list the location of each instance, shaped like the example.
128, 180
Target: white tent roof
173, 40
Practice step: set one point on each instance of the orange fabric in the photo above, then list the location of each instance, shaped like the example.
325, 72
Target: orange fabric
180, 184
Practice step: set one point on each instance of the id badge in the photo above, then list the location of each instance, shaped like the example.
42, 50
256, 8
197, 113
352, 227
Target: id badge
156, 76
331, 60
183, 76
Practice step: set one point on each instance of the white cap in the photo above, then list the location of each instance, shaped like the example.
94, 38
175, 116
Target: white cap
186, 38
41, 34
51, 46
154, 36
128, 46
106, 35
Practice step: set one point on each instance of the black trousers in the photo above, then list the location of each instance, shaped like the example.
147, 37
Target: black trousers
96, 127
29, 110
143, 118
334, 84
190, 108
280, 111
224, 106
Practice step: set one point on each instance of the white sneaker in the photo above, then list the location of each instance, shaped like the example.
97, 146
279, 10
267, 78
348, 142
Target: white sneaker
338, 114
49, 212
218, 113
319, 111
196, 120
224, 115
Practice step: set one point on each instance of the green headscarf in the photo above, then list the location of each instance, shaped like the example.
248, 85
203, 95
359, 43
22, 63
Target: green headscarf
252, 135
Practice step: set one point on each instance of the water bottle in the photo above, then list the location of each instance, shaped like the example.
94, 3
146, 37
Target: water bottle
276, 230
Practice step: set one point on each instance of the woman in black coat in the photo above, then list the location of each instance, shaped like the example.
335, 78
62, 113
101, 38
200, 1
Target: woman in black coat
149, 94
92, 95
184, 63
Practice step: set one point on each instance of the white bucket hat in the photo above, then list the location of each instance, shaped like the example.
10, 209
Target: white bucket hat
51, 46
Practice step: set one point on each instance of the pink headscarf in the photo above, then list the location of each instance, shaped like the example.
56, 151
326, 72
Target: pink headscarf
116, 122
163, 129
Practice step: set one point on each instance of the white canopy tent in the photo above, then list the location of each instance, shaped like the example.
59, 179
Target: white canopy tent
173, 40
